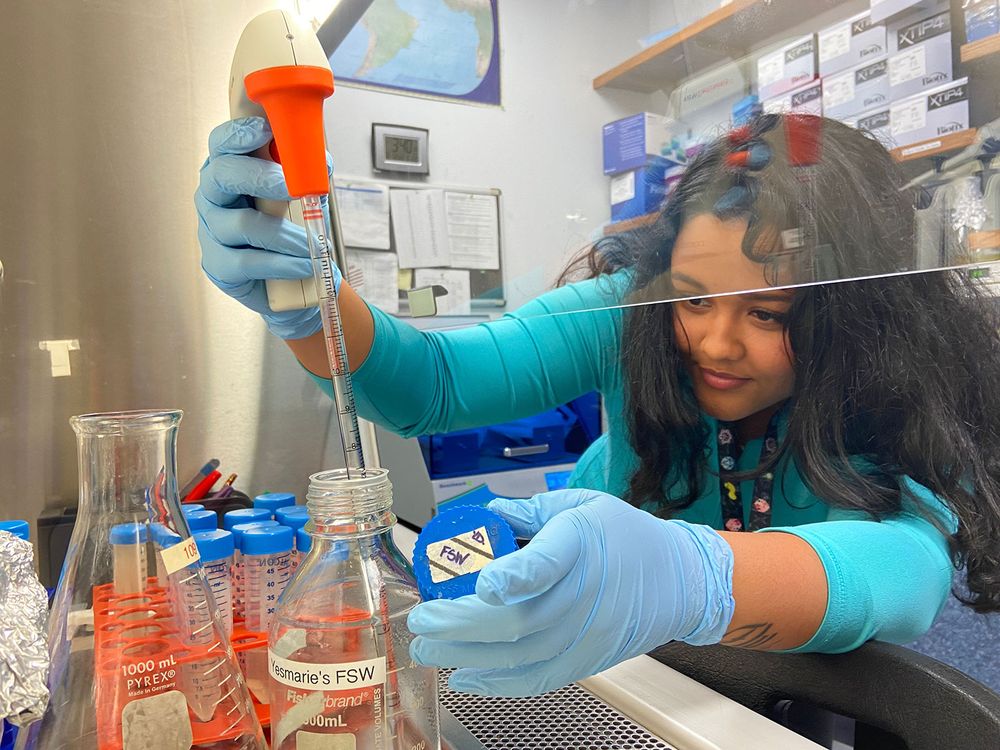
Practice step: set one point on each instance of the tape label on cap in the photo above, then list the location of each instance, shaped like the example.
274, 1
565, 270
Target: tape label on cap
463, 554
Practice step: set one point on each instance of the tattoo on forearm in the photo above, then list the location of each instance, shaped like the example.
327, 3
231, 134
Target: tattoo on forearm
759, 636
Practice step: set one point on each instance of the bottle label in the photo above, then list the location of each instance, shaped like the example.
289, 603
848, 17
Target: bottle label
335, 706
466, 553
311, 676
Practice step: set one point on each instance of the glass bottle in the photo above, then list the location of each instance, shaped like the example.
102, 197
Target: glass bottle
339, 657
119, 638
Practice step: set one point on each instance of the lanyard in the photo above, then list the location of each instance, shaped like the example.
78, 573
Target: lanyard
729, 490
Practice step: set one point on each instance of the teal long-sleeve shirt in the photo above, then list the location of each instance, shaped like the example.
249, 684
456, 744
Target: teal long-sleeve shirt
886, 580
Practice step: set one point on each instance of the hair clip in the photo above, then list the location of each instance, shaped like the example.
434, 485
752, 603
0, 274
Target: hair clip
755, 157
736, 197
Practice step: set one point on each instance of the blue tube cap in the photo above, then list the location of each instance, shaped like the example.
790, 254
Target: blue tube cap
303, 540
293, 516
239, 528
454, 546
267, 540
20, 529
128, 533
244, 515
192, 506
214, 545
274, 500
202, 520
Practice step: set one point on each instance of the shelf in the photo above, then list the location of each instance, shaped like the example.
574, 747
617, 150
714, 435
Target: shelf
725, 34
935, 146
980, 49
629, 224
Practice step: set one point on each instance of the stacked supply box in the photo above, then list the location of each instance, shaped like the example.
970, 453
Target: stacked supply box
931, 114
630, 142
875, 122
920, 51
850, 43
882, 10
856, 89
787, 68
982, 19
632, 149
639, 191
805, 100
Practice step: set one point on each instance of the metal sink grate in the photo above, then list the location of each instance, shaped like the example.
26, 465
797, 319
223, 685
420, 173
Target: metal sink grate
567, 719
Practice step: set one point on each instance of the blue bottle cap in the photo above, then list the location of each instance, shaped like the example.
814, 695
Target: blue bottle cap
267, 540
239, 528
245, 515
20, 529
129, 533
202, 520
294, 516
274, 500
303, 540
214, 545
454, 546
166, 538
192, 506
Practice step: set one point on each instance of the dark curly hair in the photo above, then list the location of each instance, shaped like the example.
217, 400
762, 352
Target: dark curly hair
899, 371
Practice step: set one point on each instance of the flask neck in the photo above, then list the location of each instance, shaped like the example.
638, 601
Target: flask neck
343, 506
127, 463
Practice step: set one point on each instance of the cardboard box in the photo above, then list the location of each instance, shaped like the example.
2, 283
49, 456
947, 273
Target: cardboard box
882, 10
850, 43
877, 122
805, 100
932, 113
918, 27
856, 89
639, 191
787, 68
631, 141
982, 19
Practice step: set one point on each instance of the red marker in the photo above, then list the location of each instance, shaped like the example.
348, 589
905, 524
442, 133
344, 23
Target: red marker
203, 487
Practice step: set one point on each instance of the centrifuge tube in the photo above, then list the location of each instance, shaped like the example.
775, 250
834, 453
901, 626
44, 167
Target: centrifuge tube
128, 545
303, 543
338, 651
239, 608
244, 515
267, 567
294, 517
271, 501
201, 520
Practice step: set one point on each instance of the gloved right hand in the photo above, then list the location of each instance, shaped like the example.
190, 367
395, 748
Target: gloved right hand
241, 246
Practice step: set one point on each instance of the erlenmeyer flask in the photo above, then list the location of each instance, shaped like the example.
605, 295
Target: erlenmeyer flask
139, 655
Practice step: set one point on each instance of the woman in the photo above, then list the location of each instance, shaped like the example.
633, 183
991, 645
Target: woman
853, 422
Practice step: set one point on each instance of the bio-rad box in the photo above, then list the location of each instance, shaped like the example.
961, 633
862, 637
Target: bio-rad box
850, 43
882, 10
920, 54
876, 122
930, 115
805, 100
856, 89
787, 68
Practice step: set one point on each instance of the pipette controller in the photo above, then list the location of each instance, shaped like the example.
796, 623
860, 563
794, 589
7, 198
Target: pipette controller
281, 72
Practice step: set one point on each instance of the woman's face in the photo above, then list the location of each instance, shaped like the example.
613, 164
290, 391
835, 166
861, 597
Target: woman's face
735, 347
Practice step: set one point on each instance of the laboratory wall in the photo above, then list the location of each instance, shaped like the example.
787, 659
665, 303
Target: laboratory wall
541, 148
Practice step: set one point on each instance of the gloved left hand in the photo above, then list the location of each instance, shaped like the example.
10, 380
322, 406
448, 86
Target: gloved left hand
600, 582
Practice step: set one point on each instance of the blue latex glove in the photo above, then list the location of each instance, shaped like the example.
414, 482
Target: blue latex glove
600, 582
241, 246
